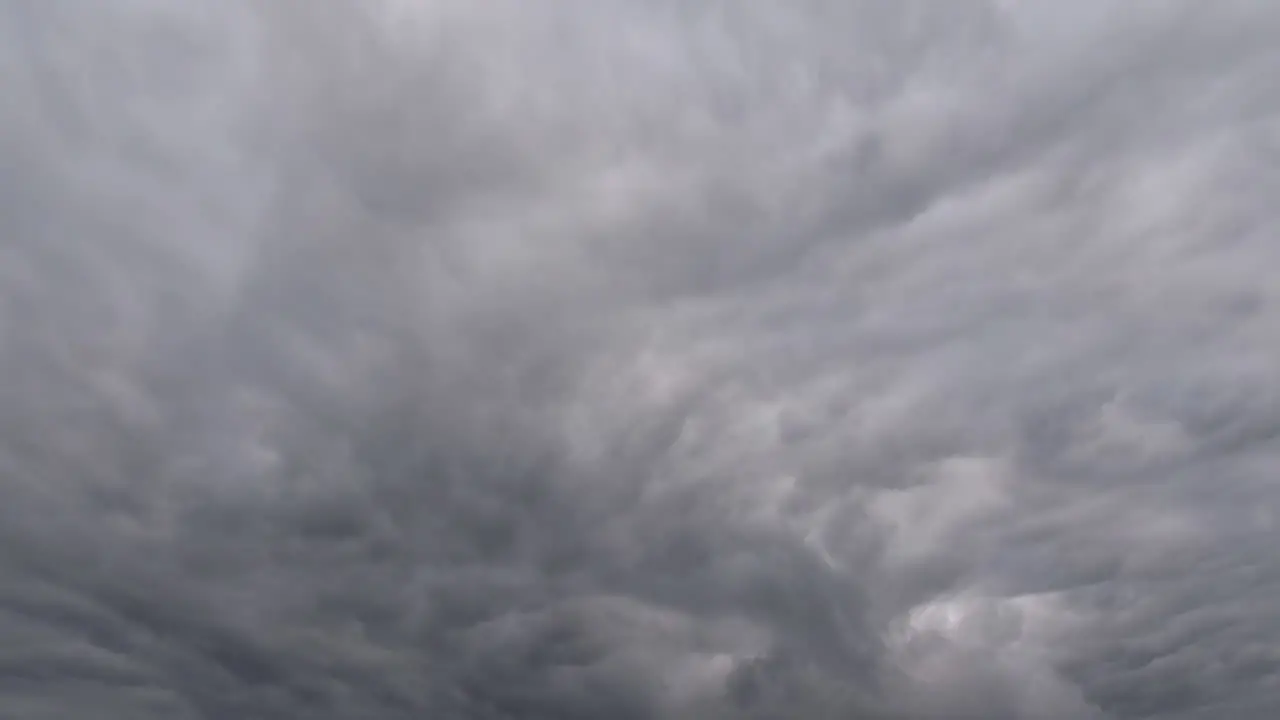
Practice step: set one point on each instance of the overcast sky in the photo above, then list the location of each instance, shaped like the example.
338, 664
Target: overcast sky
630, 359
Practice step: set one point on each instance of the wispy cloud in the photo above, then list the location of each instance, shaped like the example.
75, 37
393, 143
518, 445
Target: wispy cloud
639, 359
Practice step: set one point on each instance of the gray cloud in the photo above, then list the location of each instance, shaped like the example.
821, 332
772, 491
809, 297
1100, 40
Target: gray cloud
411, 358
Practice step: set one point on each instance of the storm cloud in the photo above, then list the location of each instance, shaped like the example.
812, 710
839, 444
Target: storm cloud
845, 359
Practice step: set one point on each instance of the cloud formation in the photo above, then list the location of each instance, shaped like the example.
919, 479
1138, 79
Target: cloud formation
616, 359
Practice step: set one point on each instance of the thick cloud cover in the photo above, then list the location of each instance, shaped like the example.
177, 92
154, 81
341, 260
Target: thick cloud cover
639, 359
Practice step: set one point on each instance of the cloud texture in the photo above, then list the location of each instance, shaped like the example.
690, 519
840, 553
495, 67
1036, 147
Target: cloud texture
845, 359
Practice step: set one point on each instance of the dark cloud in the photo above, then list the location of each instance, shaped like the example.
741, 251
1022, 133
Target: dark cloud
410, 358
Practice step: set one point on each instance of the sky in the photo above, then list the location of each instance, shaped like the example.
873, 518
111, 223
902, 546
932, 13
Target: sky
639, 359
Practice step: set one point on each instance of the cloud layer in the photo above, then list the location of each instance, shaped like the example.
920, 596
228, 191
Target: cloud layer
616, 359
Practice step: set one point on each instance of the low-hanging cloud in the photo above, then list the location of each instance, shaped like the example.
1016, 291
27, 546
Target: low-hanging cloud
618, 359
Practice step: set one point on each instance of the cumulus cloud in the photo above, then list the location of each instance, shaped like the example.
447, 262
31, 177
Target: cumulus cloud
823, 359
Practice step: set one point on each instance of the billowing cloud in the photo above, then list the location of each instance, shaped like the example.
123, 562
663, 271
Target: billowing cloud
617, 359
